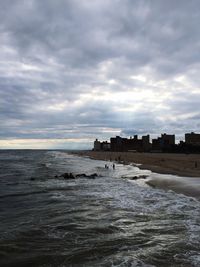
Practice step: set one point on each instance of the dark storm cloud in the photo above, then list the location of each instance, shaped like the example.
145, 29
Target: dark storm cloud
64, 64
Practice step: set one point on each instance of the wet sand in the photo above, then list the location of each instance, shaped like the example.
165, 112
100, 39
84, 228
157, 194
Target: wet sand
187, 165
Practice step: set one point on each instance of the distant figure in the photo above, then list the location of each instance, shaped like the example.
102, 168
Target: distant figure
106, 166
113, 166
195, 164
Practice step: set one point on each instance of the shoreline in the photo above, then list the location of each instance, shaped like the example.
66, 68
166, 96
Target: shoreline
186, 165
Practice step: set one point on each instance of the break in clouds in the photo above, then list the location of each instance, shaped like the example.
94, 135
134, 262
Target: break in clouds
71, 71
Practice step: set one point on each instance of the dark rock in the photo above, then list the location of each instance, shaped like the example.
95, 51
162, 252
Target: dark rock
136, 177
92, 176
71, 176
67, 176
143, 176
89, 176
32, 179
81, 175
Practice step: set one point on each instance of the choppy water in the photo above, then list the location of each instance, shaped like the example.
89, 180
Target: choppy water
108, 221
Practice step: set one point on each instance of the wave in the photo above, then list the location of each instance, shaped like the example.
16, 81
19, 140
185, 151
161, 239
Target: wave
24, 194
187, 186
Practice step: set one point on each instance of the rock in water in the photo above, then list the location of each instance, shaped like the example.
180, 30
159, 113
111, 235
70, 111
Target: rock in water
70, 176
136, 177
81, 175
92, 176
67, 176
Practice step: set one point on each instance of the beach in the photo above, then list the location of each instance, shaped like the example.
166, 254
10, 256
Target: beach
187, 165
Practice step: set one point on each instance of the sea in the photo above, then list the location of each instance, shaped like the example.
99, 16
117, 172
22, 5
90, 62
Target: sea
112, 220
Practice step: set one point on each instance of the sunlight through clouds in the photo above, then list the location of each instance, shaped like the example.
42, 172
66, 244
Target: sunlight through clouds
78, 68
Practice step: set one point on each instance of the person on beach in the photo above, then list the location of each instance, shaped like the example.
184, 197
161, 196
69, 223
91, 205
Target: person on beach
113, 166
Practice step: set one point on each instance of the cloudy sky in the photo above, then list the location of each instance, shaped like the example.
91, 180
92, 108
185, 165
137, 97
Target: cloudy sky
74, 70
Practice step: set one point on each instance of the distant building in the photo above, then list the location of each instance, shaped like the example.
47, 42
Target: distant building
101, 146
168, 139
146, 145
105, 146
97, 145
156, 144
117, 143
164, 142
192, 139
132, 144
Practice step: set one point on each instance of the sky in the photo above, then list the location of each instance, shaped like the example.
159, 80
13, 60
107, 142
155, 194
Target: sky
75, 70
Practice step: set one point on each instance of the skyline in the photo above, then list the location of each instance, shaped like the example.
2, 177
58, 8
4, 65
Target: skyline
73, 71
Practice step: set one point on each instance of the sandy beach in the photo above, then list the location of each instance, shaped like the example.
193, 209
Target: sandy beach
187, 165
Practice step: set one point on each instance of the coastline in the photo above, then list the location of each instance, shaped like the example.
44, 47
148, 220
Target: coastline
186, 165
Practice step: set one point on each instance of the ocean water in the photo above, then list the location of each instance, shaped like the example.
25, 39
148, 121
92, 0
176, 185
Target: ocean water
107, 221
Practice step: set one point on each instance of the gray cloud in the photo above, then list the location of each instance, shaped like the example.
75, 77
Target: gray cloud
80, 69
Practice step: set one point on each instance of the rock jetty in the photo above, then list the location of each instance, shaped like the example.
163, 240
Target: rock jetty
71, 176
